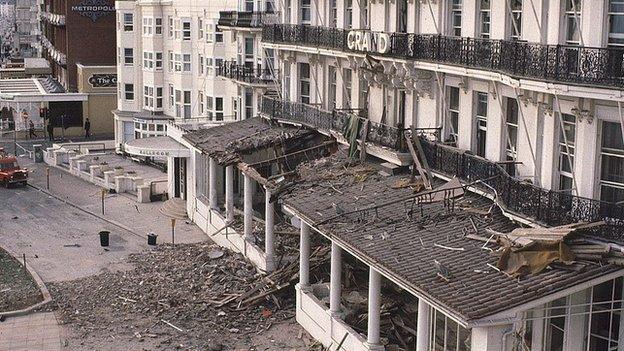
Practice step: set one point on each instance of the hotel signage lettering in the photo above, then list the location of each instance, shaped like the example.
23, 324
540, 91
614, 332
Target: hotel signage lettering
103, 80
153, 153
94, 9
368, 41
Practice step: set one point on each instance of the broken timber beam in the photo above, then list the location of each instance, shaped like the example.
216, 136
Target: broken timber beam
423, 173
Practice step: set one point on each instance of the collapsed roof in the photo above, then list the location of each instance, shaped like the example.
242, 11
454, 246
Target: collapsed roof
423, 241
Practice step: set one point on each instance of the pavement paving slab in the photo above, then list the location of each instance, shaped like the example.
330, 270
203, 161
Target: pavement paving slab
33, 332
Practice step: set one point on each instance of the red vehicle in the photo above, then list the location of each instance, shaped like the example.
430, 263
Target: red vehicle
10, 171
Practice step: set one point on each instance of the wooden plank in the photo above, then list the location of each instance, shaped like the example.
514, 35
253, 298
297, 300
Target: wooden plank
363, 141
423, 173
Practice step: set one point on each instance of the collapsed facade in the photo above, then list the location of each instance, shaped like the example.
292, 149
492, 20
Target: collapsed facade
509, 115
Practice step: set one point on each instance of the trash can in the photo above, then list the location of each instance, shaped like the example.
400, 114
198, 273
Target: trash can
104, 234
38, 153
151, 239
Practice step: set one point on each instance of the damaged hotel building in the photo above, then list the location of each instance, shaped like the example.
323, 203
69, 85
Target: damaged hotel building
463, 159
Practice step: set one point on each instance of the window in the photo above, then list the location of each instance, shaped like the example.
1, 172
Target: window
456, 17
348, 14
176, 29
178, 103
148, 97
128, 23
158, 62
209, 106
249, 5
612, 163
128, 56
171, 96
572, 22
566, 152
158, 26
446, 334
332, 87
219, 108
453, 111
187, 104
306, 11
148, 60
333, 13
511, 122
481, 119
363, 98
129, 91
170, 28
200, 98
177, 63
616, 22
248, 103
515, 19
604, 321
401, 25
248, 60
209, 68
218, 35
348, 87
186, 62
159, 97
209, 33
555, 325
171, 61
200, 28
200, 61
486, 19
147, 26
286, 84
364, 19
304, 83
186, 29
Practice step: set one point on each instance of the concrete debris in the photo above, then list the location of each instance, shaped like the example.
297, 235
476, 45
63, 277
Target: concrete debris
184, 294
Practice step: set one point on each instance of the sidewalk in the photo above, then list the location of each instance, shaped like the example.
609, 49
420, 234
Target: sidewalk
34, 332
141, 218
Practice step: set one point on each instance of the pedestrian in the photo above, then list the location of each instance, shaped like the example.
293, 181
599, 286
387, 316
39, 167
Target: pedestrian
50, 129
87, 128
31, 130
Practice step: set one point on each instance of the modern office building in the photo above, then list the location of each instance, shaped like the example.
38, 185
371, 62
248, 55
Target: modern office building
518, 100
26, 34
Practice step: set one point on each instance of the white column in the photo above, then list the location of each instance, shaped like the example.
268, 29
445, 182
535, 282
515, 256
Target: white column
422, 327
304, 256
248, 207
334, 280
229, 193
490, 338
212, 183
374, 306
269, 235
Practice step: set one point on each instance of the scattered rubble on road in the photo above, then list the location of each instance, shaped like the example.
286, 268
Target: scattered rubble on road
194, 297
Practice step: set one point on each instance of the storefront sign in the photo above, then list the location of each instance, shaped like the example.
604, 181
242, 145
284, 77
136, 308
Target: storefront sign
368, 41
94, 9
103, 80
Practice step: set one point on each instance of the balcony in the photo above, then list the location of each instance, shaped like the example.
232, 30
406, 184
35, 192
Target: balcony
546, 207
560, 63
384, 141
247, 75
246, 19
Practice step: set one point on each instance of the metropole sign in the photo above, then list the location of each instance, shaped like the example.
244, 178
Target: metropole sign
94, 9
360, 40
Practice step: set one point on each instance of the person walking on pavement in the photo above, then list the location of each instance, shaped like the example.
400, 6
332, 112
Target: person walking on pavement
87, 128
50, 129
31, 129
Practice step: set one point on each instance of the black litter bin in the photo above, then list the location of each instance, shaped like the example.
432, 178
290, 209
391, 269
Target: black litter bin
151, 239
104, 234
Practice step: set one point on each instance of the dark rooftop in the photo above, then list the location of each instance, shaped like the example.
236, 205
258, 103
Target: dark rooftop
400, 238
228, 142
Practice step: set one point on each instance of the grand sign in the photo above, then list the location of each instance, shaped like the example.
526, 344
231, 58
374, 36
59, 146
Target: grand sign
368, 41
103, 80
94, 9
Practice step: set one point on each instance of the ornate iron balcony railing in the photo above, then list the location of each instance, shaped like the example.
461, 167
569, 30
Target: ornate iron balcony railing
242, 73
520, 197
561, 63
246, 19
338, 121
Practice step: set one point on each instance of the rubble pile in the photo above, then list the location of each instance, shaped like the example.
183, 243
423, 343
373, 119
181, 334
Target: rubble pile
198, 294
17, 288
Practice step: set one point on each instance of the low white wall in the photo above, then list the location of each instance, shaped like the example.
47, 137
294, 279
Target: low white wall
315, 318
211, 221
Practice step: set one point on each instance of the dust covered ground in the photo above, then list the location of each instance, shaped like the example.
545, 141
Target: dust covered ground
17, 288
186, 297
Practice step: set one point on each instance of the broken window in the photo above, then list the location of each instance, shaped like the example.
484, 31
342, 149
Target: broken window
511, 143
453, 111
304, 83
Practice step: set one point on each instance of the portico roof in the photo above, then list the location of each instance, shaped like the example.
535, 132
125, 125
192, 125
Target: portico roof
162, 146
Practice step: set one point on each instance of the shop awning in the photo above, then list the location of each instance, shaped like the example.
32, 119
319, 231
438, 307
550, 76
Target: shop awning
162, 146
